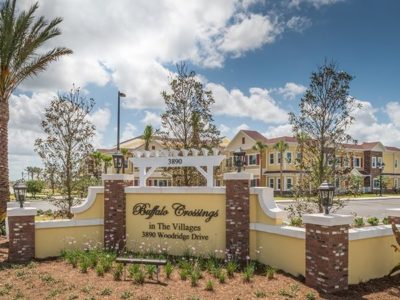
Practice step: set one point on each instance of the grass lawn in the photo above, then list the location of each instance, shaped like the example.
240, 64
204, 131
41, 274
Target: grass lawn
57, 279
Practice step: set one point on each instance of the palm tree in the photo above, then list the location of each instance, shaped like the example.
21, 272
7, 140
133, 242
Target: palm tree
21, 37
148, 135
30, 171
97, 157
125, 153
107, 162
281, 147
260, 147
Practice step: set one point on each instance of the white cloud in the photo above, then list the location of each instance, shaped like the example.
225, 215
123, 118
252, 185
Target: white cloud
278, 131
291, 90
316, 3
367, 128
242, 126
129, 132
251, 32
100, 119
393, 111
259, 105
298, 23
225, 130
151, 118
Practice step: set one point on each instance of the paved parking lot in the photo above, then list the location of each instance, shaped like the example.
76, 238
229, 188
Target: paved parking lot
365, 208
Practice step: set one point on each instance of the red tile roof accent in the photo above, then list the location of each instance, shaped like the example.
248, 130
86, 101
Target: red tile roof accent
287, 139
255, 135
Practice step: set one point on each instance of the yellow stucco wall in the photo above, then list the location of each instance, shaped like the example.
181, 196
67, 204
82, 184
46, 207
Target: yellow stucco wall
371, 258
96, 211
282, 252
50, 241
141, 235
257, 215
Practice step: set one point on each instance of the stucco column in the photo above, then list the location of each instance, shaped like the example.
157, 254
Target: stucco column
327, 251
21, 228
393, 215
238, 213
114, 209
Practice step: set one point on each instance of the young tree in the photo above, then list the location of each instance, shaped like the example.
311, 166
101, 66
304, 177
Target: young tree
261, 148
148, 135
281, 146
34, 187
22, 39
325, 114
69, 135
187, 122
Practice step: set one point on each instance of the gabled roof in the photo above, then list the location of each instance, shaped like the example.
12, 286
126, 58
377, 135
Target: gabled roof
287, 139
391, 148
255, 135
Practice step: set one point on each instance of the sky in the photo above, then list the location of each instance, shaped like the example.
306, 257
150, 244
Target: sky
256, 56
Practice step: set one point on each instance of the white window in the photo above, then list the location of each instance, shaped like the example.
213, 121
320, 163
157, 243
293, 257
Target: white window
278, 183
252, 159
271, 158
396, 183
346, 161
376, 183
289, 183
271, 183
379, 161
289, 157
298, 156
253, 182
373, 162
279, 157
357, 162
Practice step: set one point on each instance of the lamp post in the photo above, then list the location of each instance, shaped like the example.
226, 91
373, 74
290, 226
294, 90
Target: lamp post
326, 192
20, 189
239, 159
380, 167
117, 156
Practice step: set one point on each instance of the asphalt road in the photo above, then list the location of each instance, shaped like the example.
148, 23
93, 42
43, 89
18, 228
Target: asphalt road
365, 208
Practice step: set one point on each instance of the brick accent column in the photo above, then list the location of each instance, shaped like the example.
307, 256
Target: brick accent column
327, 251
21, 234
238, 214
114, 209
393, 215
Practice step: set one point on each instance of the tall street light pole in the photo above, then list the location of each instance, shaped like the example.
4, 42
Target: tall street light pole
118, 158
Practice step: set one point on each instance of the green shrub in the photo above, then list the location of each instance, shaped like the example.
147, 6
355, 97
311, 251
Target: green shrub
168, 269
133, 269
183, 273
231, 268
296, 221
106, 292
260, 294
138, 277
100, 270
210, 286
310, 296
84, 263
248, 272
385, 221
194, 278
117, 271
126, 295
374, 221
221, 277
270, 272
359, 222
151, 270
216, 271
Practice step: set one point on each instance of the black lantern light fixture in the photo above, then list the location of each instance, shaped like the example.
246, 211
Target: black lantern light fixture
20, 189
381, 166
239, 156
326, 192
118, 160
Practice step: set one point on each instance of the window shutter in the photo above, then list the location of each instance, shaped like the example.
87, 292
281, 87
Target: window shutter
258, 182
258, 159
361, 162
149, 182
246, 160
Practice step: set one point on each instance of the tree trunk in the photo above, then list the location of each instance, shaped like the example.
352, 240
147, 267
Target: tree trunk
4, 179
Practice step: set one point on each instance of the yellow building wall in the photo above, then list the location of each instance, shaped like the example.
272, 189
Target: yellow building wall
282, 252
206, 237
257, 215
96, 211
371, 258
49, 242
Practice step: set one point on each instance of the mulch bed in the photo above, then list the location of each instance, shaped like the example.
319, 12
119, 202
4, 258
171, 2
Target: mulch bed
54, 279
